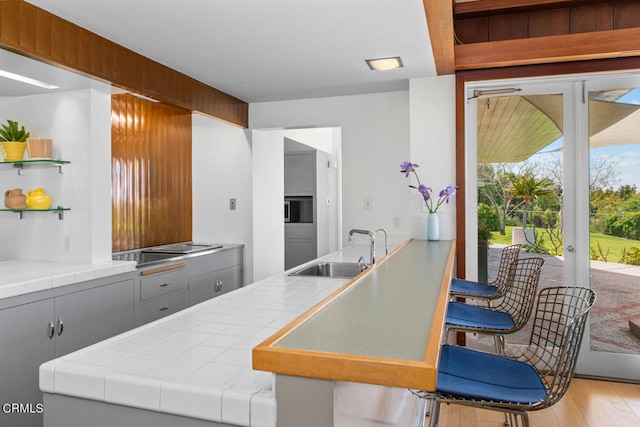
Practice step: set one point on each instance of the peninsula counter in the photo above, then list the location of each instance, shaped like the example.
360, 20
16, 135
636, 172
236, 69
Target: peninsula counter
384, 328
194, 368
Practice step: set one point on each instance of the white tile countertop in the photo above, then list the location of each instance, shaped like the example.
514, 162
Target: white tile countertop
19, 277
197, 362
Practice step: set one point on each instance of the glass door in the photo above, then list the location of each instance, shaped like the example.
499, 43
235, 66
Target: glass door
609, 139
517, 190
577, 141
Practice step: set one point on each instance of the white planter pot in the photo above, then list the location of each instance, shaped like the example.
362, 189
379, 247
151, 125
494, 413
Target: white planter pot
525, 236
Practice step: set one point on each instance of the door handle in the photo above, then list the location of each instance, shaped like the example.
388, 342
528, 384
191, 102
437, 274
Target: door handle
571, 249
60, 326
50, 330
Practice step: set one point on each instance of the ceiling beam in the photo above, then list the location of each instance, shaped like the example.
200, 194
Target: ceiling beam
540, 50
439, 15
38, 34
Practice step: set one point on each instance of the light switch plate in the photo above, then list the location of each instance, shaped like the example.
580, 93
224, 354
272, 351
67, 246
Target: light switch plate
232, 204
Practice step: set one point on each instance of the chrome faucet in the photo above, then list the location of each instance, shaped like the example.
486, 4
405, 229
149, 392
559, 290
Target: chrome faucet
386, 246
372, 238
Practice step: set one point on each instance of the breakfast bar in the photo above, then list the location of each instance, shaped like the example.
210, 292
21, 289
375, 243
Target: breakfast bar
383, 329
278, 352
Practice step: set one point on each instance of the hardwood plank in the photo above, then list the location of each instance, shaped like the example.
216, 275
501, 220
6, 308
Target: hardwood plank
500, 6
440, 24
588, 403
507, 27
597, 17
549, 23
571, 47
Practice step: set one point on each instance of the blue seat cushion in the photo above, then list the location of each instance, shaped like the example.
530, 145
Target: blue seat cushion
469, 287
472, 374
461, 314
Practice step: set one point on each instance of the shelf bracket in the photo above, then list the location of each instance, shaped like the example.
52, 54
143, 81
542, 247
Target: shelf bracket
60, 165
20, 168
20, 215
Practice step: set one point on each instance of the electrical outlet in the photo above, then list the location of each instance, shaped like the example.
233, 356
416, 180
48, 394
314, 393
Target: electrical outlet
232, 204
66, 244
396, 222
368, 204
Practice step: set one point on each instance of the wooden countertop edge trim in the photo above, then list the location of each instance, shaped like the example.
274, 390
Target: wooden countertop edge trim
357, 368
437, 331
346, 367
163, 269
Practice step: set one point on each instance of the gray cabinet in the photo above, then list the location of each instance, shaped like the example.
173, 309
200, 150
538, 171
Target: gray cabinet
299, 244
213, 275
37, 330
162, 291
87, 317
300, 173
24, 346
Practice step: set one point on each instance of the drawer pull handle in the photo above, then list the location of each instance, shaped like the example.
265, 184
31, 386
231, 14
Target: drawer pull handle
164, 307
164, 284
51, 329
60, 326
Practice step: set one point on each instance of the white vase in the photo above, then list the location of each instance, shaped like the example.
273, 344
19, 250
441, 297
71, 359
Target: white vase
433, 226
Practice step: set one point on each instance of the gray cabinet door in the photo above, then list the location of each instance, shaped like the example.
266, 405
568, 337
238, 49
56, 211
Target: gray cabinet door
230, 279
215, 274
86, 317
24, 346
203, 287
299, 174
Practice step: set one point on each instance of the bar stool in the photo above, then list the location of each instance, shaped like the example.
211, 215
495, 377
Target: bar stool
534, 378
509, 316
493, 290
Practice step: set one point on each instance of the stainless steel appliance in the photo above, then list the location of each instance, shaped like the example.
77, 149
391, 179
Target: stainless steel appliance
298, 209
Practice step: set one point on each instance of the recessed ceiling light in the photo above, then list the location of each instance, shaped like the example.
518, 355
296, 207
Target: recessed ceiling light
385, 63
27, 80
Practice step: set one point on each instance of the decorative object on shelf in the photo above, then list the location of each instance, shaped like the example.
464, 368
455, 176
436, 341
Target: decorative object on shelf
37, 199
14, 199
433, 226
39, 148
13, 141
433, 221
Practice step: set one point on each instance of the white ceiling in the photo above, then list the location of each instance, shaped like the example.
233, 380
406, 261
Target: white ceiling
260, 50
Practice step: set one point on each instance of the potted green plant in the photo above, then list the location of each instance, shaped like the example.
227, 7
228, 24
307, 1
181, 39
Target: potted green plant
13, 139
528, 188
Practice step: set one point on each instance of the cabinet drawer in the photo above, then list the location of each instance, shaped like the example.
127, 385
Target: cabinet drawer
160, 307
299, 231
154, 285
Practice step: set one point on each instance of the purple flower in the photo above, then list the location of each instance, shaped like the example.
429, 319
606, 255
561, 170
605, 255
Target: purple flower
444, 196
408, 167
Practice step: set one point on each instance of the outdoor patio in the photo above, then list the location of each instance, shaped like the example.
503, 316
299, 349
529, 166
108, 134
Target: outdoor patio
618, 291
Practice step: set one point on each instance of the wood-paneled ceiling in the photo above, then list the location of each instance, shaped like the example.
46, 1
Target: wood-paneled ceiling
504, 33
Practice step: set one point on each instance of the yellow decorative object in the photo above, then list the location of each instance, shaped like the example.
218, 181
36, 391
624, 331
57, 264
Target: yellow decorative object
37, 199
13, 151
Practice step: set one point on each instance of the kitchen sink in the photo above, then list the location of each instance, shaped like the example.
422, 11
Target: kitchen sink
343, 270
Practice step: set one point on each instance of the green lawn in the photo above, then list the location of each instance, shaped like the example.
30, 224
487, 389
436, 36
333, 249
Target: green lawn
612, 247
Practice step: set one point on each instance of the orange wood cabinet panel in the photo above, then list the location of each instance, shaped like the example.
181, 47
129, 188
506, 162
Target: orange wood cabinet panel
36, 33
151, 173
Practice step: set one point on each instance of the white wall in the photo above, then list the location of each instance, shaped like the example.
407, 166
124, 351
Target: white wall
375, 141
268, 198
79, 122
433, 147
222, 170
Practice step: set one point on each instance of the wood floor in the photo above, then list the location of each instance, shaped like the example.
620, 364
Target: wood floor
587, 403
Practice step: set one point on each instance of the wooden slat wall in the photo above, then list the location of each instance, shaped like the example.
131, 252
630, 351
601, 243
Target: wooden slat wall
31, 31
494, 25
151, 173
